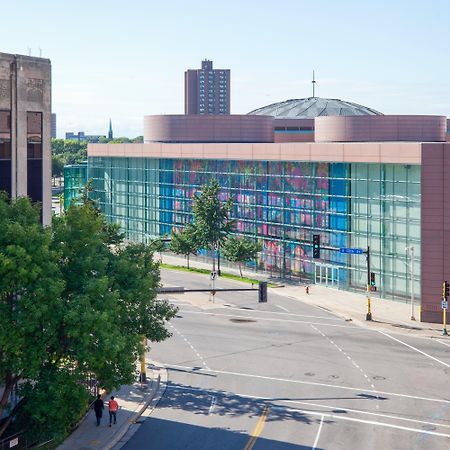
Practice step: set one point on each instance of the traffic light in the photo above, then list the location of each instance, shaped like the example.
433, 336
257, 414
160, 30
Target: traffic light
373, 288
445, 289
316, 246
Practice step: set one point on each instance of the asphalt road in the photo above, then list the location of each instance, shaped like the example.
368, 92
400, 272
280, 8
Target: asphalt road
286, 375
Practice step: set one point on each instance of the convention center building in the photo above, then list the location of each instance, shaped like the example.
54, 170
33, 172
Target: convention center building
295, 169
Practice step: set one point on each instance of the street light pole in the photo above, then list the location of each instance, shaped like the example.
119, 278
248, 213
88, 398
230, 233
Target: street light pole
411, 279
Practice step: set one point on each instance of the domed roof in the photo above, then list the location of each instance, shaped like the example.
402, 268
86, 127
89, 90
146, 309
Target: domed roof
308, 108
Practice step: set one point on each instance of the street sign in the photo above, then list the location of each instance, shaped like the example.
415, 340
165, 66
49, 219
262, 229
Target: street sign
353, 251
444, 304
213, 275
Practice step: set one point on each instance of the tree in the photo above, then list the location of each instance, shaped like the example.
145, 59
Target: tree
30, 291
241, 250
211, 218
184, 242
74, 302
57, 165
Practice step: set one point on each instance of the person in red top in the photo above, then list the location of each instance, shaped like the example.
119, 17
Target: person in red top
113, 407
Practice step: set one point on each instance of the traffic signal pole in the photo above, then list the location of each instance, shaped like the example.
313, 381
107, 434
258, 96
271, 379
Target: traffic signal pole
369, 311
445, 295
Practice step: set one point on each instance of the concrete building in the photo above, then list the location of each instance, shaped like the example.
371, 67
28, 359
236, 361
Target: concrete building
25, 129
53, 126
360, 180
207, 90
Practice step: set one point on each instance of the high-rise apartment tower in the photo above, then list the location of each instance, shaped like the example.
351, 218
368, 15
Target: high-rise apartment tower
207, 90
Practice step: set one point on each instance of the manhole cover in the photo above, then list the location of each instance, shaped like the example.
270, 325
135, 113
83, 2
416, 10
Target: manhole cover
378, 377
309, 374
242, 320
333, 376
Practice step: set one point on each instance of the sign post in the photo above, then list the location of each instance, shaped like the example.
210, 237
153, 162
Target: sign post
444, 306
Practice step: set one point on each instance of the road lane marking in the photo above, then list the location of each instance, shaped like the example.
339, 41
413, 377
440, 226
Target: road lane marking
414, 348
443, 343
349, 358
337, 319
190, 345
309, 383
258, 429
369, 422
272, 319
281, 307
318, 434
315, 405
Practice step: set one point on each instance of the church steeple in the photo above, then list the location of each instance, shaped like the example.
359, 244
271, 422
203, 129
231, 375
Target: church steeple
110, 132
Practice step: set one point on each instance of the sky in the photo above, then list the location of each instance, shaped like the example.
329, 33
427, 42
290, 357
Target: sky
126, 59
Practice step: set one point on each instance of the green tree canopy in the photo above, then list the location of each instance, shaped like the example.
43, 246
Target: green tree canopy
211, 217
74, 301
240, 250
184, 242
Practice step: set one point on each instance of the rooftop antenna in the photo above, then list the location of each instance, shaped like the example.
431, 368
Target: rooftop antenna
313, 85
40, 52
29, 51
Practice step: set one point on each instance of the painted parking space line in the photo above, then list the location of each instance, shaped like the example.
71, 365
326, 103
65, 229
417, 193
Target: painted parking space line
195, 370
414, 348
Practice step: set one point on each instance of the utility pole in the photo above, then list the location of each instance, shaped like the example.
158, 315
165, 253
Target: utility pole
369, 287
411, 276
143, 372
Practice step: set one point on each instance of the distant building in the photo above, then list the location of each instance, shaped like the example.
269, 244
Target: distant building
81, 137
53, 126
25, 129
110, 131
207, 90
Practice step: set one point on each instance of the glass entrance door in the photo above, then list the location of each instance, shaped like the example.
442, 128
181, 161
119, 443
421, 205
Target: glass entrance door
327, 275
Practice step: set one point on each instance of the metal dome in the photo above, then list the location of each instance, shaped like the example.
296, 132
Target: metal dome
308, 108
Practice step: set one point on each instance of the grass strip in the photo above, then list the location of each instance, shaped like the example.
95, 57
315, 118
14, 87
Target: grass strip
230, 276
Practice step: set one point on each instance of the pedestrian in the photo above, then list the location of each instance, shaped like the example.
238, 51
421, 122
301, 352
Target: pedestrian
307, 289
98, 408
113, 406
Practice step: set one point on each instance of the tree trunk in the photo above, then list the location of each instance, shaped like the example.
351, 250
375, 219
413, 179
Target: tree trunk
5, 424
240, 269
218, 259
187, 258
10, 381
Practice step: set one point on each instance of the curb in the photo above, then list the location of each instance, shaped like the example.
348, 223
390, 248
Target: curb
362, 323
132, 421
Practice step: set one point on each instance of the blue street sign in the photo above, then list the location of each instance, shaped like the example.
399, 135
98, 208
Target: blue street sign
353, 251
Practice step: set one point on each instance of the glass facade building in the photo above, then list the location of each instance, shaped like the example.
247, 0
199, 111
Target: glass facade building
282, 204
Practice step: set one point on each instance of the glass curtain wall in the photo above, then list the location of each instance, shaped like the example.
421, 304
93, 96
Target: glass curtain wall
282, 204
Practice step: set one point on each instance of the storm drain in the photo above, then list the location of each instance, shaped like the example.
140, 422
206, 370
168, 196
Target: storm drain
242, 320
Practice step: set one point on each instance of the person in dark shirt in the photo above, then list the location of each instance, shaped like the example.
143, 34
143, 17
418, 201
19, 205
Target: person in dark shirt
98, 408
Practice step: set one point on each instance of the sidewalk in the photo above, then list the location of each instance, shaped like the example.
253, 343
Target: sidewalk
133, 401
388, 315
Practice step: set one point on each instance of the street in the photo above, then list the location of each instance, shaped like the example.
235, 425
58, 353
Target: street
287, 375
